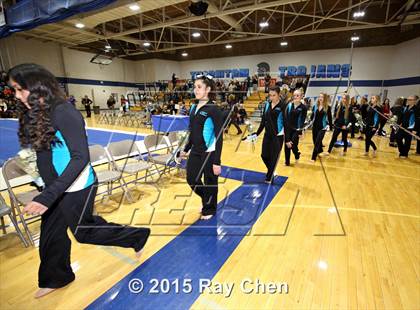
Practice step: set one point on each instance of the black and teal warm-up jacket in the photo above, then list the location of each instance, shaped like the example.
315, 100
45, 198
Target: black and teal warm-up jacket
65, 167
272, 120
372, 117
407, 117
206, 131
321, 118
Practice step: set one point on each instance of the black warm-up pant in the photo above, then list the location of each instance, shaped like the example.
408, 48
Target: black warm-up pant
74, 211
197, 165
404, 142
336, 132
88, 111
295, 146
369, 133
271, 148
382, 125
317, 137
353, 129
392, 136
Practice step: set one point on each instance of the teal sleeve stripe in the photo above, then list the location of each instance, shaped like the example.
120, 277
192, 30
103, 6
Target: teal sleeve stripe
60, 154
412, 121
267, 105
208, 132
280, 122
192, 109
376, 119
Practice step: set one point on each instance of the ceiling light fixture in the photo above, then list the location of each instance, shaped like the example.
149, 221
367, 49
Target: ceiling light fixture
146, 44
358, 14
355, 38
184, 54
284, 43
228, 46
196, 34
134, 7
263, 23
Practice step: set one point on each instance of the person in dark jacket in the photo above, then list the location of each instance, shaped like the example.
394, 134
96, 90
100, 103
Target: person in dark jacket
322, 121
272, 122
234, 119
341, 121
355, 108
372, 123
111, 102
395, 112
87, 103
407, 120
294, 118
56, 131
205, 145
362, 110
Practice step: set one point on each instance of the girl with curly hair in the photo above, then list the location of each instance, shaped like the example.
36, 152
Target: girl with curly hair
56, 131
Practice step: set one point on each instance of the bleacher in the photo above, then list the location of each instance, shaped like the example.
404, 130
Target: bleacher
252, 103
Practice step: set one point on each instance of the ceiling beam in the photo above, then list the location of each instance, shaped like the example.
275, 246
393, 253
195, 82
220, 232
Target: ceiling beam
184, 19
43, 37
219, 30
275, 36
318, 22
319, 17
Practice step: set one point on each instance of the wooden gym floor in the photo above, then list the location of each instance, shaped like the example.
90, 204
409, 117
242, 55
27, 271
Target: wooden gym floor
366, 256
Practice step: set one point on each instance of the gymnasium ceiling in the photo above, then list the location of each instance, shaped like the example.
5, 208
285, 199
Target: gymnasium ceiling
168, 27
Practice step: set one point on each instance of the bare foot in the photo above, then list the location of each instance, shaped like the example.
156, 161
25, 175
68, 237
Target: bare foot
44, 291
139, 253
206, 217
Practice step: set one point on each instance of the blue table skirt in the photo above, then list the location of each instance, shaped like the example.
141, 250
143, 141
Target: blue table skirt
169, 123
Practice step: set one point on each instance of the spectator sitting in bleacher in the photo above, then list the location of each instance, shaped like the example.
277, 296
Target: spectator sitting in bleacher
182, 109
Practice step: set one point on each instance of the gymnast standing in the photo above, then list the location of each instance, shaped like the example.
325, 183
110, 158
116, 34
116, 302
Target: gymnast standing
205, 145
341, 122
294, 116
56, 131
322, 120
272, 122
372, 122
